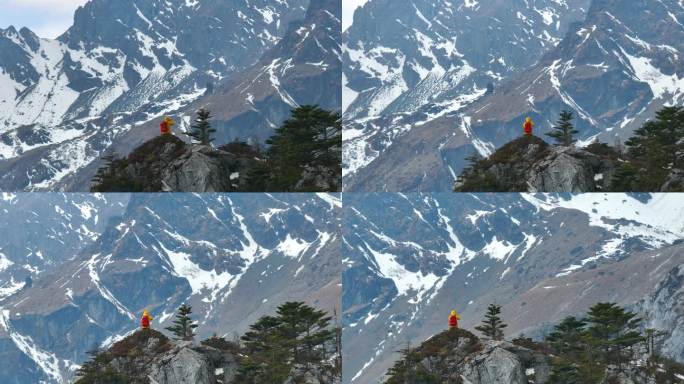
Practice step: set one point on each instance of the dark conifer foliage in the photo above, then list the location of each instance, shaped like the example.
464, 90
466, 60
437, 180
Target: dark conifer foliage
201, 130
492, 325
564, 132
184, 326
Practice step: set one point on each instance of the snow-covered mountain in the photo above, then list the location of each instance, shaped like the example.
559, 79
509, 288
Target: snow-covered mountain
102, 85
410, 259
42, 231
613, 62
233, 258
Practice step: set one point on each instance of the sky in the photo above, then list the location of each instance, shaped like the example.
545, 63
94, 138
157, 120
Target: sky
50, 18
348, 8
47, 18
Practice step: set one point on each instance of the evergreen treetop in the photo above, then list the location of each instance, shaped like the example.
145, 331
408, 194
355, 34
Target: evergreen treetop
299, 336
201, 130
564, 131
492, 325
184, 326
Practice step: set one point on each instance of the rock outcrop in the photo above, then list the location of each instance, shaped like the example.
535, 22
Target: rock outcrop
168, 164
529, 164
458, 356
147, 356
181, 365
570, 169
502, 362
203, 169
320, 179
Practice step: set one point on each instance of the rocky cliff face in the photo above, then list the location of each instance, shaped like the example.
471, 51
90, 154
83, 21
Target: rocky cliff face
664, 309
46, 230
120, 65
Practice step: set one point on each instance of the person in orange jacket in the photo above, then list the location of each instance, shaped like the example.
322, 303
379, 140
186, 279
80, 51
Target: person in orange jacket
146, 320
528, 126
453, 319
166, 125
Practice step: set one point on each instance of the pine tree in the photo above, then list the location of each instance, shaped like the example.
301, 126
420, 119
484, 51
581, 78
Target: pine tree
307, 329
201, 130
625, 179
258, 178
310, 140
98, 370
657, 147
105, 169
612, 329
566, 337
492, 325
566, 373
266, 357
652, 340
184, 328
299, 336
409, 370
338, 344
470, 170
564, 131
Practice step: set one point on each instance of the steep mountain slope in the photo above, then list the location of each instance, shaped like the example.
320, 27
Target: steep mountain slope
410, 63
40, 232
410, 259
66, 101
614, 70
233, 259
302, 69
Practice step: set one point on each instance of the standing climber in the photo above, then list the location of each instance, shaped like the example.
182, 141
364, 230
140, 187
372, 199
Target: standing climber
453, 319
146, 320
528, 126
166, 125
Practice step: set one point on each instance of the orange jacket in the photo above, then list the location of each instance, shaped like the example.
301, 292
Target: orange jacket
453, 321
164, 127
528, 126
145, 320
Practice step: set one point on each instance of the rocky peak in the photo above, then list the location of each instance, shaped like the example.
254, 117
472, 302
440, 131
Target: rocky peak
529, 164
458, 356
166, 163
149, 356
